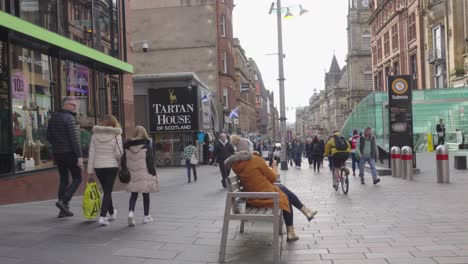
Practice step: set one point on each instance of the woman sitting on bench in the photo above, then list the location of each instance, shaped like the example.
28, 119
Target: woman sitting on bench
256, 176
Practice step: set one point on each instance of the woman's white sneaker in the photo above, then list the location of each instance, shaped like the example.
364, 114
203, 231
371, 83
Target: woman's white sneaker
148, 219
113, 216
131, 220
103, 221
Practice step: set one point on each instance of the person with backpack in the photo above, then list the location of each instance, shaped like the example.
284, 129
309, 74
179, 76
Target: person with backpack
191, 160
316, 153
339, 149
353, 141
366, 151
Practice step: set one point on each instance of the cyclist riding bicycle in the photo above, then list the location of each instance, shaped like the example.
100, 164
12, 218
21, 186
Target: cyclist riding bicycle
340, 150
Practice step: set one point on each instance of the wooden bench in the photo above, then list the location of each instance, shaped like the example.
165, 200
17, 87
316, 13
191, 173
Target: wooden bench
231, 212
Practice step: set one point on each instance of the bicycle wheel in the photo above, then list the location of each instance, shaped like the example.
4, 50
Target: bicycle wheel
344, 181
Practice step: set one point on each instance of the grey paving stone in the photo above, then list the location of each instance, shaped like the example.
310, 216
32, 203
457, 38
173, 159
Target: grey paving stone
145, 253
451, 260
5, 260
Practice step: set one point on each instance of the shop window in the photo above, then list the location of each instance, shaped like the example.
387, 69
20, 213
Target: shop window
77, 81
31, 99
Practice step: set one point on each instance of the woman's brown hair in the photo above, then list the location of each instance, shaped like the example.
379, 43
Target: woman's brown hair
109, 120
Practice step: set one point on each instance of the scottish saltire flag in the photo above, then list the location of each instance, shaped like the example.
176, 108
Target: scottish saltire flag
206, 98
234, 113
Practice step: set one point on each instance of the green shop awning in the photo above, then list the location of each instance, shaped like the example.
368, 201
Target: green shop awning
16, 24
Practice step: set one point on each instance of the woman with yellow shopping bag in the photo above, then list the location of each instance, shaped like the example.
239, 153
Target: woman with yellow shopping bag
105, 151
139, 160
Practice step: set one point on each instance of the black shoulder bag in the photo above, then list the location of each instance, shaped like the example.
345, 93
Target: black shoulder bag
124, 174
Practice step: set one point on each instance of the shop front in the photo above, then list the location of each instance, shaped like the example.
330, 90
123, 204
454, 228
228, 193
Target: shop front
38, 68
176, 109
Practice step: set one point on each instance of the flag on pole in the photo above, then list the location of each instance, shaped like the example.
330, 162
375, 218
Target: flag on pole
234, 113
206, 98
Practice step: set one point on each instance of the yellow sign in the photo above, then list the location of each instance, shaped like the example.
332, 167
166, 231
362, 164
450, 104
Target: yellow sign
430, 144
400, 86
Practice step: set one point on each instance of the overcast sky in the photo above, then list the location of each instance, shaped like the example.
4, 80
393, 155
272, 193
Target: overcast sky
308, 42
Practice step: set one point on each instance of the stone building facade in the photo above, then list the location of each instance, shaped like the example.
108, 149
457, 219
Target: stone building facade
397, 41
244, 92
445, 38
188, 36
358, 62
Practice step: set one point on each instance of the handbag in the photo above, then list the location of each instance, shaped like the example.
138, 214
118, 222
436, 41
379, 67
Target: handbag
124, 174
193, 159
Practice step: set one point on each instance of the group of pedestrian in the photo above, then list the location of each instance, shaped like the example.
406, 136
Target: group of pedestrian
107, 153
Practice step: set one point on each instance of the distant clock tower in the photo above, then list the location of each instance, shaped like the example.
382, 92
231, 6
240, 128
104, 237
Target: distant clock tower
359, 64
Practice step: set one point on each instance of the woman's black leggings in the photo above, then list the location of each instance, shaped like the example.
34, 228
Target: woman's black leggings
146, 202
107, 178
293, 201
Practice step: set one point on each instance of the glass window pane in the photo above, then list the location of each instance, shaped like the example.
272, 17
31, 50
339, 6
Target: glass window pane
77, 81
40, 12
31, 107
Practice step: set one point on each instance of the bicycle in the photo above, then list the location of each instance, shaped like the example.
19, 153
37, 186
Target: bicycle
343, 179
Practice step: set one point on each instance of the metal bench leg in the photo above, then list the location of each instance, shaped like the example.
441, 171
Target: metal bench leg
276, 245
281, 225
227, 212
242, 226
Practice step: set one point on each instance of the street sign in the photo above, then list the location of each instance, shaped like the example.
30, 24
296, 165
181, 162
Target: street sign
400, 111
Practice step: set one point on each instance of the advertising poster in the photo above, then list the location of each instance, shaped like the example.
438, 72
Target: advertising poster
173, 109
400, 110
77, 79
19, 86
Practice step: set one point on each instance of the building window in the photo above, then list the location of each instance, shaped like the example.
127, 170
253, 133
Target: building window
368, 80
366, 38
387, 43
225, 97
414, 68
395, 37
438, 42
374, 55
379, 49
396, 68
223, 26
412, 26
6, 156
439, 73
224, 62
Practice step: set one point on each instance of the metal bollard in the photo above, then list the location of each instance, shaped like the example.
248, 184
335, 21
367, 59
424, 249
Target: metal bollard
442, 163
407, 162
395, 157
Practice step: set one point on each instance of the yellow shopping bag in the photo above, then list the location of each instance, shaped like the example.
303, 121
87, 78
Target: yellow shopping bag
91, 200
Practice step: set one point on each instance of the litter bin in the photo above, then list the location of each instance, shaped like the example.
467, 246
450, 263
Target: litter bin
460, 162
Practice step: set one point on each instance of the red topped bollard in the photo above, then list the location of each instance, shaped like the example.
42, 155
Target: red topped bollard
442, 163
395, 157
407, 162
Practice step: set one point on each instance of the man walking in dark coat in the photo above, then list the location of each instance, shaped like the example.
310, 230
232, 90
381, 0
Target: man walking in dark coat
62, 133
223, 150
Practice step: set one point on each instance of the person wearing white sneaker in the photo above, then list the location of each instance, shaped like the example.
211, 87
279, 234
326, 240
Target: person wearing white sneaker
103, 221
139, 160
148, 219
105, 151
131, 219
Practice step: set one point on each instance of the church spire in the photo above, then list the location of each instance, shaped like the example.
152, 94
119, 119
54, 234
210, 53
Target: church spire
334, 67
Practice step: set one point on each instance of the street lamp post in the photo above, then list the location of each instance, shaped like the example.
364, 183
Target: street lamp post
284, 163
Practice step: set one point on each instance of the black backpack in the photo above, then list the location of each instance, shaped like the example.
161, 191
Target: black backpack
340, 143
317, 148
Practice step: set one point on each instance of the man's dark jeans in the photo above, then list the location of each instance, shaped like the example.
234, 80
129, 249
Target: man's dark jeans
67, 164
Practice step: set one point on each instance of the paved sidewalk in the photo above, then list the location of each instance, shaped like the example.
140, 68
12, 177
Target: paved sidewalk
395, 222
